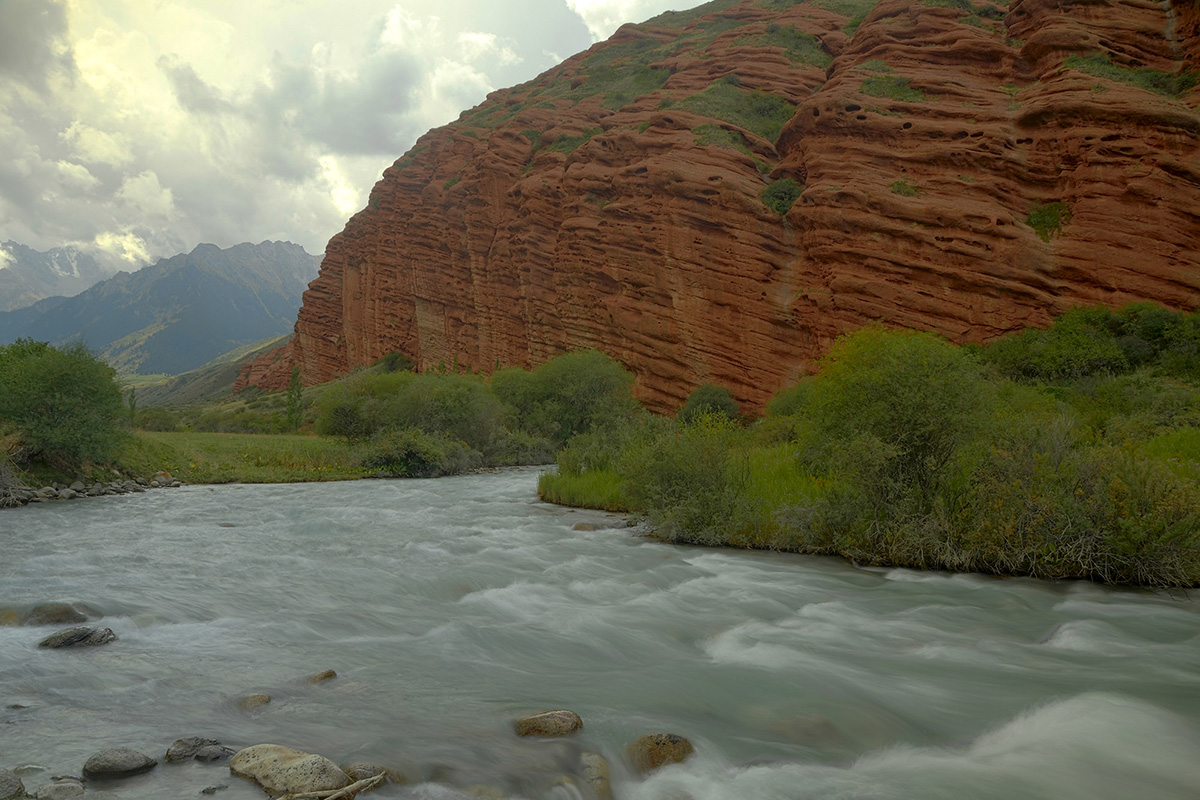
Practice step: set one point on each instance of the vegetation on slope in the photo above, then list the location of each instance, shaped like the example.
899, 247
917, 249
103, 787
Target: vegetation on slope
1065, 453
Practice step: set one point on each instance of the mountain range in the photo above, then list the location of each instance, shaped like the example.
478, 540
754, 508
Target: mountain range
180, 313
28, 275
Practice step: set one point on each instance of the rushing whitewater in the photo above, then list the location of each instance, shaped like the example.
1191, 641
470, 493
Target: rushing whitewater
448, 607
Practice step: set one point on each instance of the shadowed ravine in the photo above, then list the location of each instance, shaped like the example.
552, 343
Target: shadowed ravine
447, 607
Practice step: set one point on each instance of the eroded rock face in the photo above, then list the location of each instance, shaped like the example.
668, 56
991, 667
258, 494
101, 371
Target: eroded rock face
960, 172
281, 769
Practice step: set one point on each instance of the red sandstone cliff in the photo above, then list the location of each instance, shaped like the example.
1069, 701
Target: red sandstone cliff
615, 201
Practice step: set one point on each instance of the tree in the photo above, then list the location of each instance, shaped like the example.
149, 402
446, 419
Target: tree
709, 399
295, 400
64, 403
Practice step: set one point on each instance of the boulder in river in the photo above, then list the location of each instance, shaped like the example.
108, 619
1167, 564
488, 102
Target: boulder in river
361, 770
549, 723
81, 636
321, 677
648, 753
59, 614
117, 762
252, 702
281, 769
198, 748
10, 785
61, 789
593, 768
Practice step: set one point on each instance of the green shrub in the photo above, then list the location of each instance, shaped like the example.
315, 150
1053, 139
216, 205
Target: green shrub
568, 395
413, 453
889, 409
892, 87
156, 419
601, 489
762, 113
800, 48
709, 399
782, 194
63, 402
905, 188
691, 481
1079, 343
1152, 80
1048, 219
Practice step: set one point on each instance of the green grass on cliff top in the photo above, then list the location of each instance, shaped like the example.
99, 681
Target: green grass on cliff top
759, 112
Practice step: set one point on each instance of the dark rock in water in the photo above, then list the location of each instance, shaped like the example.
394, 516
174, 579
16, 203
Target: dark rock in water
10, 785
585, 526
216, 752
214, 789
61, 789
205, 750
549, 723
59, 614
321, 677
654, 750
82, 636
117, 762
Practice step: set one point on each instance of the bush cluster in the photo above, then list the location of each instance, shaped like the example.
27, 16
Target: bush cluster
62, 404
1069, 452
422, 425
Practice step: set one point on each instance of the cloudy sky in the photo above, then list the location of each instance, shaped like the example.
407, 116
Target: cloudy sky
139, 128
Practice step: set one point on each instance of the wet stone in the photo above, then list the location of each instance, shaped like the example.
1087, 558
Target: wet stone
82, 636
549, 723
117, 762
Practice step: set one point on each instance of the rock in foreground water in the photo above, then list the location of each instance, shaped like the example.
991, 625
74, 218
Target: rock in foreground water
117, 762
595, 771
10, 785
61, 789
82, 636
281, 769
199, 748
654, 750
549, 723
58, 614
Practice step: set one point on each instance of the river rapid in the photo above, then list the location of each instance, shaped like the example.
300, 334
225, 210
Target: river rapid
450, 606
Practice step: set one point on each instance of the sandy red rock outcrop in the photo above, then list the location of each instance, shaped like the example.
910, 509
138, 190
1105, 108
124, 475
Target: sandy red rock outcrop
493, 242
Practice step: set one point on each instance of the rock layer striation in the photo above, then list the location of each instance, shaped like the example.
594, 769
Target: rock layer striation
968, 167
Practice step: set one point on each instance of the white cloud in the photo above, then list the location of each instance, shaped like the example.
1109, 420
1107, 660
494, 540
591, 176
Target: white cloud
476, 46
5, 258
123, 246
147, 195
76, 176
603, 17
97, 147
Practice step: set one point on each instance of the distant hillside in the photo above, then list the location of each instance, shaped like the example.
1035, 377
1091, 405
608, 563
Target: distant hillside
208, 382
180, 313
27, 275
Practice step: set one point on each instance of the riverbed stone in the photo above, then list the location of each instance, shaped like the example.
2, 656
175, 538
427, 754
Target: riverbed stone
280, 769
117, 762
198, 748
10, 785
594, 770
549, 723
81, 636
252, 702
322, 676
67, 494
361, 770
63, 789
58, 613
654, 750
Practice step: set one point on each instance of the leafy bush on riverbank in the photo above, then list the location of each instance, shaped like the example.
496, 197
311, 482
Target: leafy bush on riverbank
62, 404
1072, 452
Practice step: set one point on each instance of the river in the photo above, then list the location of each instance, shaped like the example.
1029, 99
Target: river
448, 607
